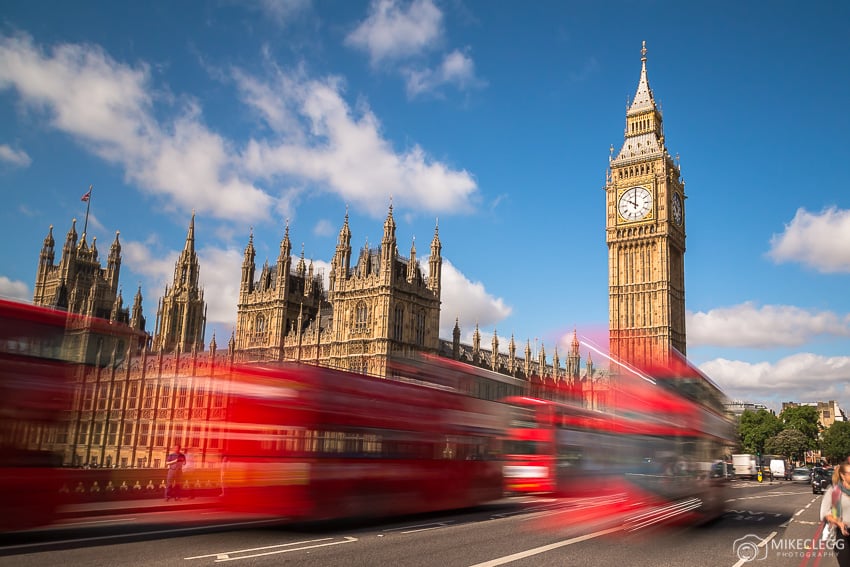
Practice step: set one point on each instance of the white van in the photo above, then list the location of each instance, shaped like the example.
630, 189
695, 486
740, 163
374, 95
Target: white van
778, 469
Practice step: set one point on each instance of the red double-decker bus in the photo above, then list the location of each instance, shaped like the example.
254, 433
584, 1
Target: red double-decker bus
654, 444
40, 350
310, 443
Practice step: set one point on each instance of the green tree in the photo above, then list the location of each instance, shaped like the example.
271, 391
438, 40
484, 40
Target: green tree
804, 419
836, 441
788, 443
756, 427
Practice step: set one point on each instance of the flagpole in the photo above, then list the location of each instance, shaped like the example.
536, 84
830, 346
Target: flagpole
88, 206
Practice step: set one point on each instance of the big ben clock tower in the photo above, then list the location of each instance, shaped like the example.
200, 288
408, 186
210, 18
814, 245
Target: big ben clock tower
645, 232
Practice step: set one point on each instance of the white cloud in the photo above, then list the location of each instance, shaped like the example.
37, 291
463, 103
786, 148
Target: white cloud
768, 326
819, 241
219, 276
391, 32
12, 289
157, 268
19, 158
108, 107
457, 69
467, 301
346, 153
317, 138
800, 377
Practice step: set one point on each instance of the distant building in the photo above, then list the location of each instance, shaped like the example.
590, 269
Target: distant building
828, 412
737, 408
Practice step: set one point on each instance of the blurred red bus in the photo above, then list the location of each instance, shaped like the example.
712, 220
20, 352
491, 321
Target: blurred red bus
311, 443
40, 350
652, 445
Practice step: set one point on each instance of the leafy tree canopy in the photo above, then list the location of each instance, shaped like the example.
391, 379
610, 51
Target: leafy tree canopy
788, 443
805, 420
836, 441
756, 427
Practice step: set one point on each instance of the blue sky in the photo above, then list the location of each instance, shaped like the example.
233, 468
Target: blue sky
492, 118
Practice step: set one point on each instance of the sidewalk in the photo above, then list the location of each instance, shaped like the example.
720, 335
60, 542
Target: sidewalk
135, 506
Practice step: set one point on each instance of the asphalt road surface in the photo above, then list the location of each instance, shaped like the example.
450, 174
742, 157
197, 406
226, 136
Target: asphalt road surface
765, 525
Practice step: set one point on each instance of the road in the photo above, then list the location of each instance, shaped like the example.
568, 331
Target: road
772, 521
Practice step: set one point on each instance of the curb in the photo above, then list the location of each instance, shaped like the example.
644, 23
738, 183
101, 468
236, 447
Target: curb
81, 511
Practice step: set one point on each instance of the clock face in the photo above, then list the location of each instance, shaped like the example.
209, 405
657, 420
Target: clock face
677, 208
635, 203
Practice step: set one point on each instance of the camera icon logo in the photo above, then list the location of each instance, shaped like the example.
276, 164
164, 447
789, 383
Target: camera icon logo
747, 548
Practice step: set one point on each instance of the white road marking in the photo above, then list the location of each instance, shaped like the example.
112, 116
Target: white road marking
425, 529
545, 548
226, 555
418, 527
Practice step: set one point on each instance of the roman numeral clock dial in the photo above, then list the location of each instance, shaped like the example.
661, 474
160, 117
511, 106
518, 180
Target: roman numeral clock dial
635, 203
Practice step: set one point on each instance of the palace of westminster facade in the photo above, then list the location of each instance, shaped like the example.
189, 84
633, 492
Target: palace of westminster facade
166, 387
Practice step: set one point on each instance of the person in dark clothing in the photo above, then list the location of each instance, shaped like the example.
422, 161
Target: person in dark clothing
174, 463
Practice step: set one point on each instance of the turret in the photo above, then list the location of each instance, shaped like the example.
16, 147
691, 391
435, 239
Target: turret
117, 307
388, 249
113, 265
411, 263
456, 340
247, 284
302, 266
284, 263
48, 253
137, 318
435, 263
495, 349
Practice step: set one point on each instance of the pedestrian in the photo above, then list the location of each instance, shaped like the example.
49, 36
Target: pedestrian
174, 463
835, 511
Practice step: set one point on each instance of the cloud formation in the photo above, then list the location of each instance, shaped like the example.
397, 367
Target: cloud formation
816, 240
11, 289
316, 138
457, 68
400, 37
467, 301
15, 157
107, 107
770, 326
323, 141
392, 32
819, 378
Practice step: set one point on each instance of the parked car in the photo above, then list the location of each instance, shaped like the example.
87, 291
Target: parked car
801, 474
821, 480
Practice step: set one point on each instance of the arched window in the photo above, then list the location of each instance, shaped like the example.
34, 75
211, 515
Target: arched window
420, 328
261, 324
361, 317
398, 324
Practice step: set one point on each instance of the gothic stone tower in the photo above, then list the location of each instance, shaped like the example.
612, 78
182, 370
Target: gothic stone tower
645, 232
383, 307
78, 284
281, 303
181, 315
